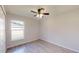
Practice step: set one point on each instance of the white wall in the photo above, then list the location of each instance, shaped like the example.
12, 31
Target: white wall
31, 29
2, 31
62, 29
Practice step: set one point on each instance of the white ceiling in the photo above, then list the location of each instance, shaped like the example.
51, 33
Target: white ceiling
24, 10
65, 8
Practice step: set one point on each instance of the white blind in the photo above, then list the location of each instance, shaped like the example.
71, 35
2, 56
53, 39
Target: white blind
17, 30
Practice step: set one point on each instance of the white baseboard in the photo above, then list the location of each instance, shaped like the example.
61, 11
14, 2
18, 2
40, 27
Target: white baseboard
13, 45
61, 45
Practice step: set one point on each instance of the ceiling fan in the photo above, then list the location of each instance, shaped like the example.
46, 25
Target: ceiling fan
40, 12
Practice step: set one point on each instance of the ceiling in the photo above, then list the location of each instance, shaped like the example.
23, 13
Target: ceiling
24, 10
65, 8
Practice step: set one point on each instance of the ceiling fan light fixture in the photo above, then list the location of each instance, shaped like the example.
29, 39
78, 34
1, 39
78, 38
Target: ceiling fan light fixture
39, 15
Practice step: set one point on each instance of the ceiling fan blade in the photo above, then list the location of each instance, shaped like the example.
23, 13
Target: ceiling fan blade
46, 13
33, 11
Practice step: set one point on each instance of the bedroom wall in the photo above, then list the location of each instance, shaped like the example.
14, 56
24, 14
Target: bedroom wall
31, 30
62, 29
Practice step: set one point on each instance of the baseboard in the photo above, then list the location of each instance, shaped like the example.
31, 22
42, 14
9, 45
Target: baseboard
61, 45
20, 44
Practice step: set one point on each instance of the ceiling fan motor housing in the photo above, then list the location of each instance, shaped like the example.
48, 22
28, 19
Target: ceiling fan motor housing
39, 10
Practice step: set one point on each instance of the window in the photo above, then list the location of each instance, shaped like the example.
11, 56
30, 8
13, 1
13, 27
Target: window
17, 30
